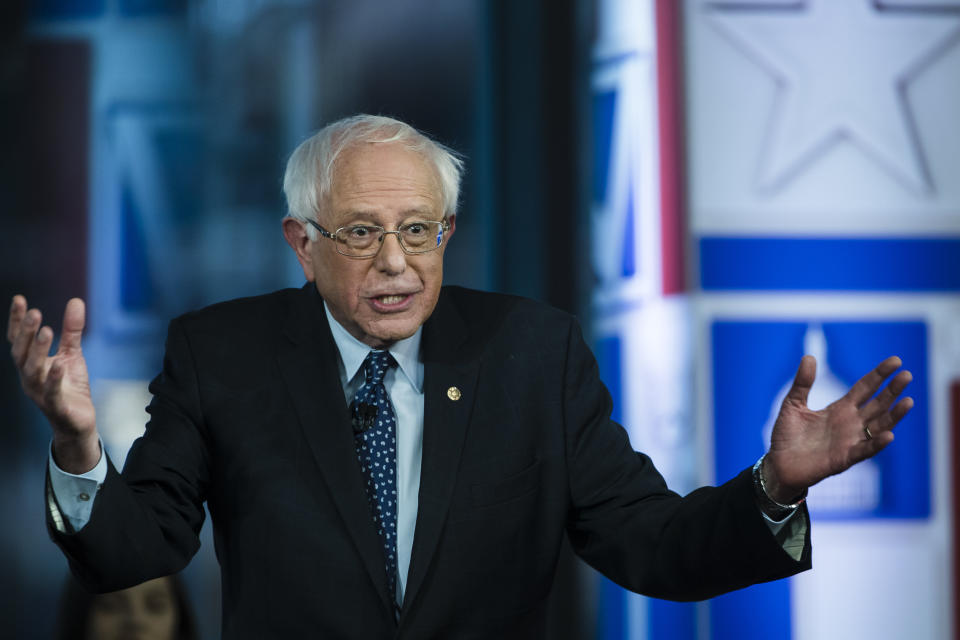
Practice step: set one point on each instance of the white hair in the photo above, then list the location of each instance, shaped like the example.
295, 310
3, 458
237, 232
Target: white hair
309, 175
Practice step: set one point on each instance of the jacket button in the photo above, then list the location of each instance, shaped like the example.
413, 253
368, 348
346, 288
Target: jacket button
453, 393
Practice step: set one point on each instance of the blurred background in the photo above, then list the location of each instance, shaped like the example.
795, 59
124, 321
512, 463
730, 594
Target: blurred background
714, 187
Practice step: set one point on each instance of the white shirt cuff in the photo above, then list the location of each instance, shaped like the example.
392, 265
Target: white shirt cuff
74, 494
791, 532
776, 525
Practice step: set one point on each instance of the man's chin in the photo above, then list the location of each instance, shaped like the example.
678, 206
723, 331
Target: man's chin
382, 334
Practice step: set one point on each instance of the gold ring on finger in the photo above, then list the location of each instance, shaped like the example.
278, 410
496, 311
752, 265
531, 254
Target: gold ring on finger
866, 432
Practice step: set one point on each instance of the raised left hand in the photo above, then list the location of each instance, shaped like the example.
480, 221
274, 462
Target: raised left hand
807, 446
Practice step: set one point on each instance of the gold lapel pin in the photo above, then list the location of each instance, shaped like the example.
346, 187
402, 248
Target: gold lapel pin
453, 393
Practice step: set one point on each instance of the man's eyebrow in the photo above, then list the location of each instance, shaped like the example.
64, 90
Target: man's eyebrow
421, 212
347, 217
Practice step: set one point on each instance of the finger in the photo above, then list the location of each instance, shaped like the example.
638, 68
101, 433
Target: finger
885, 398
868, 384
74, 318
25, 336
887, 421
802, 382
18, 309
867, 448
35, 364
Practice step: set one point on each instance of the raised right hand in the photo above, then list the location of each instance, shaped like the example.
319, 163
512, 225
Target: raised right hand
57, 384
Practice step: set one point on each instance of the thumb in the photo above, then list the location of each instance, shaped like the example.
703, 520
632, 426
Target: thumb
802, 382
74, 318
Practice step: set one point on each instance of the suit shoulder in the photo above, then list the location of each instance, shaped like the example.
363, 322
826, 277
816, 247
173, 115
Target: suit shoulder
485, 309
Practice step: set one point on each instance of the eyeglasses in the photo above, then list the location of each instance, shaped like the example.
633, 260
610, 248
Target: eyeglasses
365, 240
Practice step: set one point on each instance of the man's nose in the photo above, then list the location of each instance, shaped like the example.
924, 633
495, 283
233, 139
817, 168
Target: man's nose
391, 257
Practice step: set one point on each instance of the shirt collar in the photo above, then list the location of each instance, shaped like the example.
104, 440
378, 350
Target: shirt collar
353, 352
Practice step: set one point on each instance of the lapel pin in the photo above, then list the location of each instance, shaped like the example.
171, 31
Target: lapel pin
453, 393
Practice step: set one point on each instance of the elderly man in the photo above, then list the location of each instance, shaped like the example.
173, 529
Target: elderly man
385, 457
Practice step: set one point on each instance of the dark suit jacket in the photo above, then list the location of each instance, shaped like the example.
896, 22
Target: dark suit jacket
249, 415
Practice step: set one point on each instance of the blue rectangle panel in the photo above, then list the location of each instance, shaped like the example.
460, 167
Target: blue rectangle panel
830, 264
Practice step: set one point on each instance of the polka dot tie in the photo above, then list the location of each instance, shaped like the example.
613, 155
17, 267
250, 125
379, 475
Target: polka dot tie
375, 439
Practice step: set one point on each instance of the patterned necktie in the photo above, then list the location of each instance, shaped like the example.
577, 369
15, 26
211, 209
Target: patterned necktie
375, 439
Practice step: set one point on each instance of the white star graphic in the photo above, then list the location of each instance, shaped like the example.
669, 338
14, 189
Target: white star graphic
843, 69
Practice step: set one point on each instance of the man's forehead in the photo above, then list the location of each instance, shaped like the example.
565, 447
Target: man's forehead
371, 177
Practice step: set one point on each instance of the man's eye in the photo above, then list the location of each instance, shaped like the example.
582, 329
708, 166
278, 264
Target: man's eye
358, 232
415, 229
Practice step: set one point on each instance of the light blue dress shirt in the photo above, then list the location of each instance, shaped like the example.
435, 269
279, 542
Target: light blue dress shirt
404, 385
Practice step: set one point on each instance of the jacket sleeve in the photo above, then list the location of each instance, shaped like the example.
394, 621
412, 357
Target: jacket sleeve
627, 524
145, 522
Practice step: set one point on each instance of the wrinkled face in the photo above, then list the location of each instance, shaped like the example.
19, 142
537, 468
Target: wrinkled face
388, 297
147, 611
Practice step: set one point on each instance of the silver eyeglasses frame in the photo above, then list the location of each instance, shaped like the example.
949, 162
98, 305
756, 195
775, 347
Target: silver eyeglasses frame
383, 233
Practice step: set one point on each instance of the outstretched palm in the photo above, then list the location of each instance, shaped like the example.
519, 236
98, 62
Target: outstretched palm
71, 405
807, 446
58, 384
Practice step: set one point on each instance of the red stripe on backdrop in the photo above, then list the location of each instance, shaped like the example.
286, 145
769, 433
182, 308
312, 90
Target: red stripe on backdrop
955, 466
670, 119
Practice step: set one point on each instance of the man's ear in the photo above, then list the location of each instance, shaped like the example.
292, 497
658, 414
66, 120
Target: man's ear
295, 233
453, 227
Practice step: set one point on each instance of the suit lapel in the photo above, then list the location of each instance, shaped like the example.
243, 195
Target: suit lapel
450, 378
307, 356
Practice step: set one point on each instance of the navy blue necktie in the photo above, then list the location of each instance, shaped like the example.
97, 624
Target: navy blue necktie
375, 439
